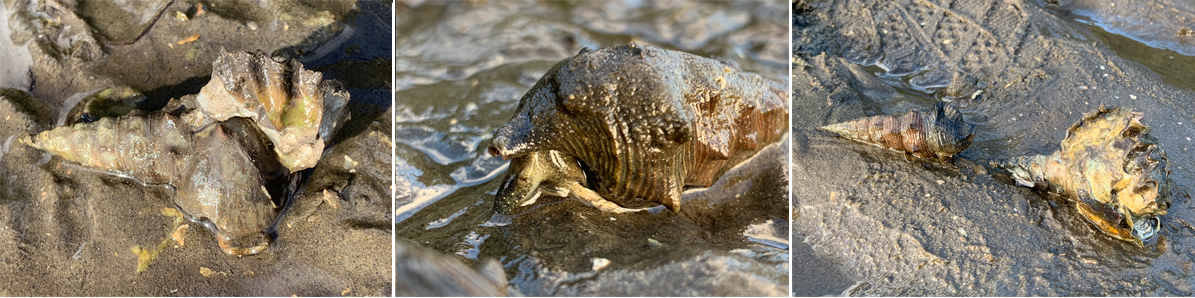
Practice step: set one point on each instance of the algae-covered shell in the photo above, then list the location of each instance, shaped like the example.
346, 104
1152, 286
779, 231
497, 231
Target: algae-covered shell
109, 102
645, 122
1110, 168
938, 132
295, 107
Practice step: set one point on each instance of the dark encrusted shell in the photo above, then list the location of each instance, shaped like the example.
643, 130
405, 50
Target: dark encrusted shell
938, 132
1110, 168
646, 122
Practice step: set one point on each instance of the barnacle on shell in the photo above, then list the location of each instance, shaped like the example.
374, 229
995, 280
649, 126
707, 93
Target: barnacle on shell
938, 132
1110, 168
645, 122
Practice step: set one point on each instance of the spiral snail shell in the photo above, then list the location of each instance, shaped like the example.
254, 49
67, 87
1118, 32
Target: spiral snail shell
1110, 168
642, 122
937, 132
257, 121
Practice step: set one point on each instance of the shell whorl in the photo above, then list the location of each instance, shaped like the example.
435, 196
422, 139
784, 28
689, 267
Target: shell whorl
155, 149
937, 132
1110, 167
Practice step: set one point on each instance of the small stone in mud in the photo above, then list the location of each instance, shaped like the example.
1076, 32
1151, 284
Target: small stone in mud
331, 198
599, 263
350, 164
208, 272
652, 242
179, 235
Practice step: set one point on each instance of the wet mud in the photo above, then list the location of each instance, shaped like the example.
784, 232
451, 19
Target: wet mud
1022, 73
76, 231
461, 70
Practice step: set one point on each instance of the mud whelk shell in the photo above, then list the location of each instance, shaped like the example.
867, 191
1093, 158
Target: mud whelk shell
295, 107
938, 132
645, 122
216, 181
1110, 168
155, 149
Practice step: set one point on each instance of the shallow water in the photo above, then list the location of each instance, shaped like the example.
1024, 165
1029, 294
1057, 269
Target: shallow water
895, 226
461, 69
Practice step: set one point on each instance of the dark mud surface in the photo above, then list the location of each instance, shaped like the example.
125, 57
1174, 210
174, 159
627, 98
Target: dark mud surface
461, 69
70, 231
1022, 72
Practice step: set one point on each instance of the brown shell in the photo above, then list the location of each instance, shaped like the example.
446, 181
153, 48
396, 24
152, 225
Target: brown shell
938, 132
256, 120
646, 121
1110, 168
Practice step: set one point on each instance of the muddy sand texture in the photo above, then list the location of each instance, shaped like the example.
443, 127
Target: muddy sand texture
461, 68
71, 231
891, 225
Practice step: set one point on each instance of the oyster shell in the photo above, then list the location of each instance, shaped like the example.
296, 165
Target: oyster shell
1110, 168
937, 132
295, 107
645, 122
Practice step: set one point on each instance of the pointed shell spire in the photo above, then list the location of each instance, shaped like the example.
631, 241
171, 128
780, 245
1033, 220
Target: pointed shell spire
937, 132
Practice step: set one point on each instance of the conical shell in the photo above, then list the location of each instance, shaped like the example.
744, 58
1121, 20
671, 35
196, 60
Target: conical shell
155, 149
938, 132
1110, 168
646, 121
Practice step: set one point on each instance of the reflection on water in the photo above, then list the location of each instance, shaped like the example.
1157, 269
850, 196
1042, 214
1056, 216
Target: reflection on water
461, 69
